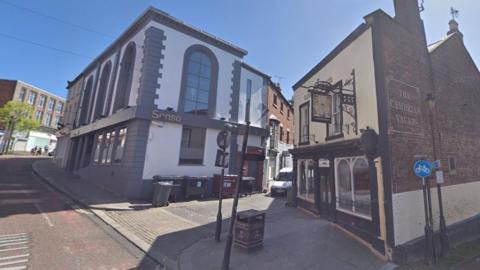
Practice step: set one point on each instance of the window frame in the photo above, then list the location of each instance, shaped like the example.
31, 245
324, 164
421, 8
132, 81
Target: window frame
125, 77
34, 94
22, 94
300, 133
204, 135
351, 163
212, 98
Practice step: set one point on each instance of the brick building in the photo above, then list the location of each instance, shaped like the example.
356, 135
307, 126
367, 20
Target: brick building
47, 109
421, 100
280, 121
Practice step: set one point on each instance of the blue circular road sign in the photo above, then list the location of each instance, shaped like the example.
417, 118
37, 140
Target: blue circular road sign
422, 168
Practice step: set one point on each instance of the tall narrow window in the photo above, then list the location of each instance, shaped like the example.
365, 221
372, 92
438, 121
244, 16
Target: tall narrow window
31, 98
124, 86
335, 126
21, 95
281, 133
41, 102
199, 81
192, 146
48, 119
102, 90
51, 104
304, 127
120, 145
106, 148
86, 100
98, 146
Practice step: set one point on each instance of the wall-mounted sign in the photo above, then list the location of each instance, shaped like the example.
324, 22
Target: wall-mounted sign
324, 163
348, 99
321, 107
166, 116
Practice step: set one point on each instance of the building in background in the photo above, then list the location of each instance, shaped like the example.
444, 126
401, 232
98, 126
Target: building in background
153, 104
422, 101
280, 122
47, 109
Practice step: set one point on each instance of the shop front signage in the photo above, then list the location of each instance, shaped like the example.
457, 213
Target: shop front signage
166, 116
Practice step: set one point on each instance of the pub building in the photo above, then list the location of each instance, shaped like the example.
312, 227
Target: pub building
421, 100
153, 104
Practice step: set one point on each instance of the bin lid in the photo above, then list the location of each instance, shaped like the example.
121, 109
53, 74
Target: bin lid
248, 178
250, 213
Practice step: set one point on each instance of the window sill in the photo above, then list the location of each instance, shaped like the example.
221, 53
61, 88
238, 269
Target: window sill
334, 137
354, 214
191, 165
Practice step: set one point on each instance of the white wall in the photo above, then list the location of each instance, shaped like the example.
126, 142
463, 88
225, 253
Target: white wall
359, 56
257, 103
163, 152
459, 203
176, 44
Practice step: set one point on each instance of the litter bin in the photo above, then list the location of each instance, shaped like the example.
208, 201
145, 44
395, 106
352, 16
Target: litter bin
196, 186
161, 192
249, 229
177, 192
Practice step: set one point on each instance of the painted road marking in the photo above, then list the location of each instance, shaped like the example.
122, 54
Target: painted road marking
47, 219
15, 257
14, 268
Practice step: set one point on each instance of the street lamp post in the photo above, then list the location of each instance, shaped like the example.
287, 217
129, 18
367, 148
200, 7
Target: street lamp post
443, 228
218, 229
233, 217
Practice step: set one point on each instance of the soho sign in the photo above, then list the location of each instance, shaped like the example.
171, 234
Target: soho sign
166, 116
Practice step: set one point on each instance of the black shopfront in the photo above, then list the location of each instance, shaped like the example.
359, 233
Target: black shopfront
334, 181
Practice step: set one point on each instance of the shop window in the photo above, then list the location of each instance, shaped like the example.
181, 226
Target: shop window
199, 81
98, 146
192, 146
306, 180
352, 182
335, 127
120, 145
304, 128
108, 147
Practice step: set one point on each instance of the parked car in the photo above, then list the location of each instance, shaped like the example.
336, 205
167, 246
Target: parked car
282, 182
51, 153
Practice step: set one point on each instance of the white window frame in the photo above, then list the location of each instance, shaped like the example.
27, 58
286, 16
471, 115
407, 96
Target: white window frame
31, 97
351, 162
336, 110
309, 178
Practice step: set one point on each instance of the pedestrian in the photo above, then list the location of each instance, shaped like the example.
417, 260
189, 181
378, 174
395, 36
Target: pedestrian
46, 149
33, 151
39, 151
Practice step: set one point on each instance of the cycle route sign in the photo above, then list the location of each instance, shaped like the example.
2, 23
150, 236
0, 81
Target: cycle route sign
422, 168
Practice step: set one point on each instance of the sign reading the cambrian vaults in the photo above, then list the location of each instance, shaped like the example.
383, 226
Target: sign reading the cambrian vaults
404, 105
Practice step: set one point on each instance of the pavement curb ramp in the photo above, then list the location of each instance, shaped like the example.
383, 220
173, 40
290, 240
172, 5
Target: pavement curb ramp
164, 262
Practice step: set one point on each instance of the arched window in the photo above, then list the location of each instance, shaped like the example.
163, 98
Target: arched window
361, 188
344, 184
125, 78
86, 100
102, 90
199, 82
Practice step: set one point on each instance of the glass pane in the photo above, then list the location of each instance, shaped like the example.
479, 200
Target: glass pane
361, 182
204, 84
302, 180
192, 147
189, 106
120, 146
344, 185
193, 67
203, 96
192, 80
202, 108
191, 93
205, 71
196, 56
205, 60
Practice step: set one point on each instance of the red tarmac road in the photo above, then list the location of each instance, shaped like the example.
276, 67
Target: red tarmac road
40, 230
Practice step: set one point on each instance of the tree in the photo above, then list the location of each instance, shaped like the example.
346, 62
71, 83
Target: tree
16, 116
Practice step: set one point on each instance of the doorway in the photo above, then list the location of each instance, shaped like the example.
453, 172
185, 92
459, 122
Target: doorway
327, 194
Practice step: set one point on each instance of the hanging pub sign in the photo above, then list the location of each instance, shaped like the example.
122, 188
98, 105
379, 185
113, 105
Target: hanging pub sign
321, 107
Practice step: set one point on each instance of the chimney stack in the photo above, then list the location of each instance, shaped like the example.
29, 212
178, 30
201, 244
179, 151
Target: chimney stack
407, 14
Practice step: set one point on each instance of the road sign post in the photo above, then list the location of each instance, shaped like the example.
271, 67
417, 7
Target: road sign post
423, 169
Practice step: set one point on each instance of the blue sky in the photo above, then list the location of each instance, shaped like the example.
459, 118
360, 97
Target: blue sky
284, 38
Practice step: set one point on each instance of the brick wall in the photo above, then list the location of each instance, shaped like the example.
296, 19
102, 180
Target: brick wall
283, 117
457, 95
7, 88
405, 63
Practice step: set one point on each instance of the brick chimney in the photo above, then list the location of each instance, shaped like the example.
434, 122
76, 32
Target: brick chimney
407, 14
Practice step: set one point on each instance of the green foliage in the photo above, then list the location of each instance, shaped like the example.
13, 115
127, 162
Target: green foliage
18, 116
